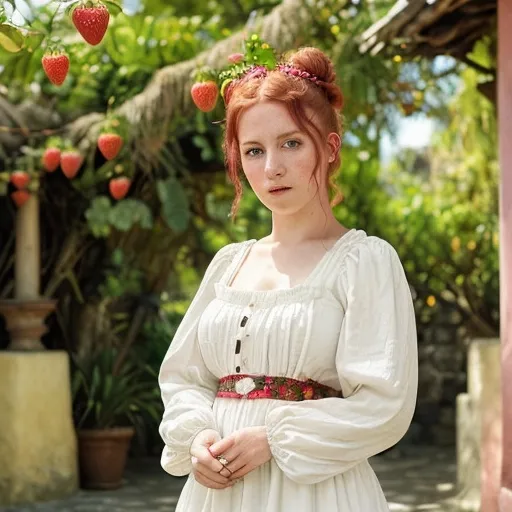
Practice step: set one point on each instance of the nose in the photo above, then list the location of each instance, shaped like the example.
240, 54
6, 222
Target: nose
273, 167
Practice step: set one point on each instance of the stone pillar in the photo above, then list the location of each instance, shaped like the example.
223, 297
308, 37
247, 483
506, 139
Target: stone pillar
468, 454
38, 454
25, 321
491, 422
37, 436
505, 152
28, 253
479, 429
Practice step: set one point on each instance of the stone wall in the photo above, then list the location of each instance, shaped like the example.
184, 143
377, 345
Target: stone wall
442, 353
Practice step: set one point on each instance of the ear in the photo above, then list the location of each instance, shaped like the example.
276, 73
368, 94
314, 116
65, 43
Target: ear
334, 143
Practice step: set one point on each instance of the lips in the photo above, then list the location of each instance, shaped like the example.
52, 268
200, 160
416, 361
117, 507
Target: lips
278, 189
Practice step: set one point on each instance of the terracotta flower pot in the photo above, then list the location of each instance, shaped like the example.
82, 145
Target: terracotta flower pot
102, 455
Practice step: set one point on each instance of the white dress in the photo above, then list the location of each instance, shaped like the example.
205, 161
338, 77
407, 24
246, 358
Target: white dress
349, 325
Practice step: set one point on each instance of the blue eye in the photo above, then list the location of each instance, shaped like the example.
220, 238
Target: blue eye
250, 151
295, 143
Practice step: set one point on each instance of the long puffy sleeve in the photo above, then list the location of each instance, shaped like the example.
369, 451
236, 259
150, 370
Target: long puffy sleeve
376, 361
187, 386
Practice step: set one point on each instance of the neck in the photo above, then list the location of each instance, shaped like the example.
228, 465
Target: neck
314, 222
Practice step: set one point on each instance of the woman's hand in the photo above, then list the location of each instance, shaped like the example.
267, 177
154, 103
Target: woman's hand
204, 466
245, 450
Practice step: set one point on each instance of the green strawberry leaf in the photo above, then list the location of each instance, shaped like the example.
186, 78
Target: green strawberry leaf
97, 216
71, 7
11, 38
113, 7
128, 212
175, 208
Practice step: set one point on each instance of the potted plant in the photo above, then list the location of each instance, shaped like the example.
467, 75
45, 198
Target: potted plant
112, 396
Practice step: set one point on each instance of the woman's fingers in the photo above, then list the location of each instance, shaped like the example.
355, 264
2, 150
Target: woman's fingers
201, 479
222, 446
207, 473
213, 481
205, 458
234, 464
244, 470
225, 472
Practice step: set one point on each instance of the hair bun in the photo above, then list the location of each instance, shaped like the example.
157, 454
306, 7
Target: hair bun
317, 63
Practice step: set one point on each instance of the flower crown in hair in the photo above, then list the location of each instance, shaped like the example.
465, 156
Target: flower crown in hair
257, 60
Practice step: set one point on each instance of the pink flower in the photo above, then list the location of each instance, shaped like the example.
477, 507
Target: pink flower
235, 58
256, 72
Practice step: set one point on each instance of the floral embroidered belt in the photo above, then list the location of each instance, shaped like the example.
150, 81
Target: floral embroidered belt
278, 388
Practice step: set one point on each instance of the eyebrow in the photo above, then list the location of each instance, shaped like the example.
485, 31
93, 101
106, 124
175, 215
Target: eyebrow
282, 136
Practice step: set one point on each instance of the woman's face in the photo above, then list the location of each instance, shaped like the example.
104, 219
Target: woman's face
279, 160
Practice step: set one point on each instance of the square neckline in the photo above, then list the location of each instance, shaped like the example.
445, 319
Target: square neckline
242, 257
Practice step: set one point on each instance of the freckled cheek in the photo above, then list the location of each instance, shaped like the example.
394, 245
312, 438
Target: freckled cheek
253, 172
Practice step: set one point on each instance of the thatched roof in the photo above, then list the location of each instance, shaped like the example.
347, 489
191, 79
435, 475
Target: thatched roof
431, 27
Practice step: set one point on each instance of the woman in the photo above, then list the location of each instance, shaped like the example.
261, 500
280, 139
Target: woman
296, 360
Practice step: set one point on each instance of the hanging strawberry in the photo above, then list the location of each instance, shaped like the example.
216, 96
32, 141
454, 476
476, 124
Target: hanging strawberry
205, 90
20, 197
204, 95
91, 18
51, 159
20, 179
119, 187
56, 66
110, 144
70, 162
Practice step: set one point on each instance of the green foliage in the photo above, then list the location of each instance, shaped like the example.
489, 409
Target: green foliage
11, 38
255, 53
120, 279
113, 7
158, 332
105, 396
445, 224
445, 229
133, 49
175, 209
103, 216
232, 14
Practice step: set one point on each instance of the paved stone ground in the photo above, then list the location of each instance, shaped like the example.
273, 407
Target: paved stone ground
421, 480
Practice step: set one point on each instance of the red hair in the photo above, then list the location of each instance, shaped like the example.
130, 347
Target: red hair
324, 98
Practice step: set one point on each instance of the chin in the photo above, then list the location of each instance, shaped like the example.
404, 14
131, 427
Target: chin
284, 210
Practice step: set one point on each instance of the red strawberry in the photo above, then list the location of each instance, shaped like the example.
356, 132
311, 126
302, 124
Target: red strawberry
20, 179
56, 67
204, 95
51, 159
110, 144
119, 187
70, 162
235, 58
20, 197
91, 22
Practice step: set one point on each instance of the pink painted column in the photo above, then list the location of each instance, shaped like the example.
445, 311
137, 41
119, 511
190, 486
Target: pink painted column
505, 152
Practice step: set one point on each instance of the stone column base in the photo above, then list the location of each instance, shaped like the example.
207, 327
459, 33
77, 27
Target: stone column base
479, 429
468, 455
37, 436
